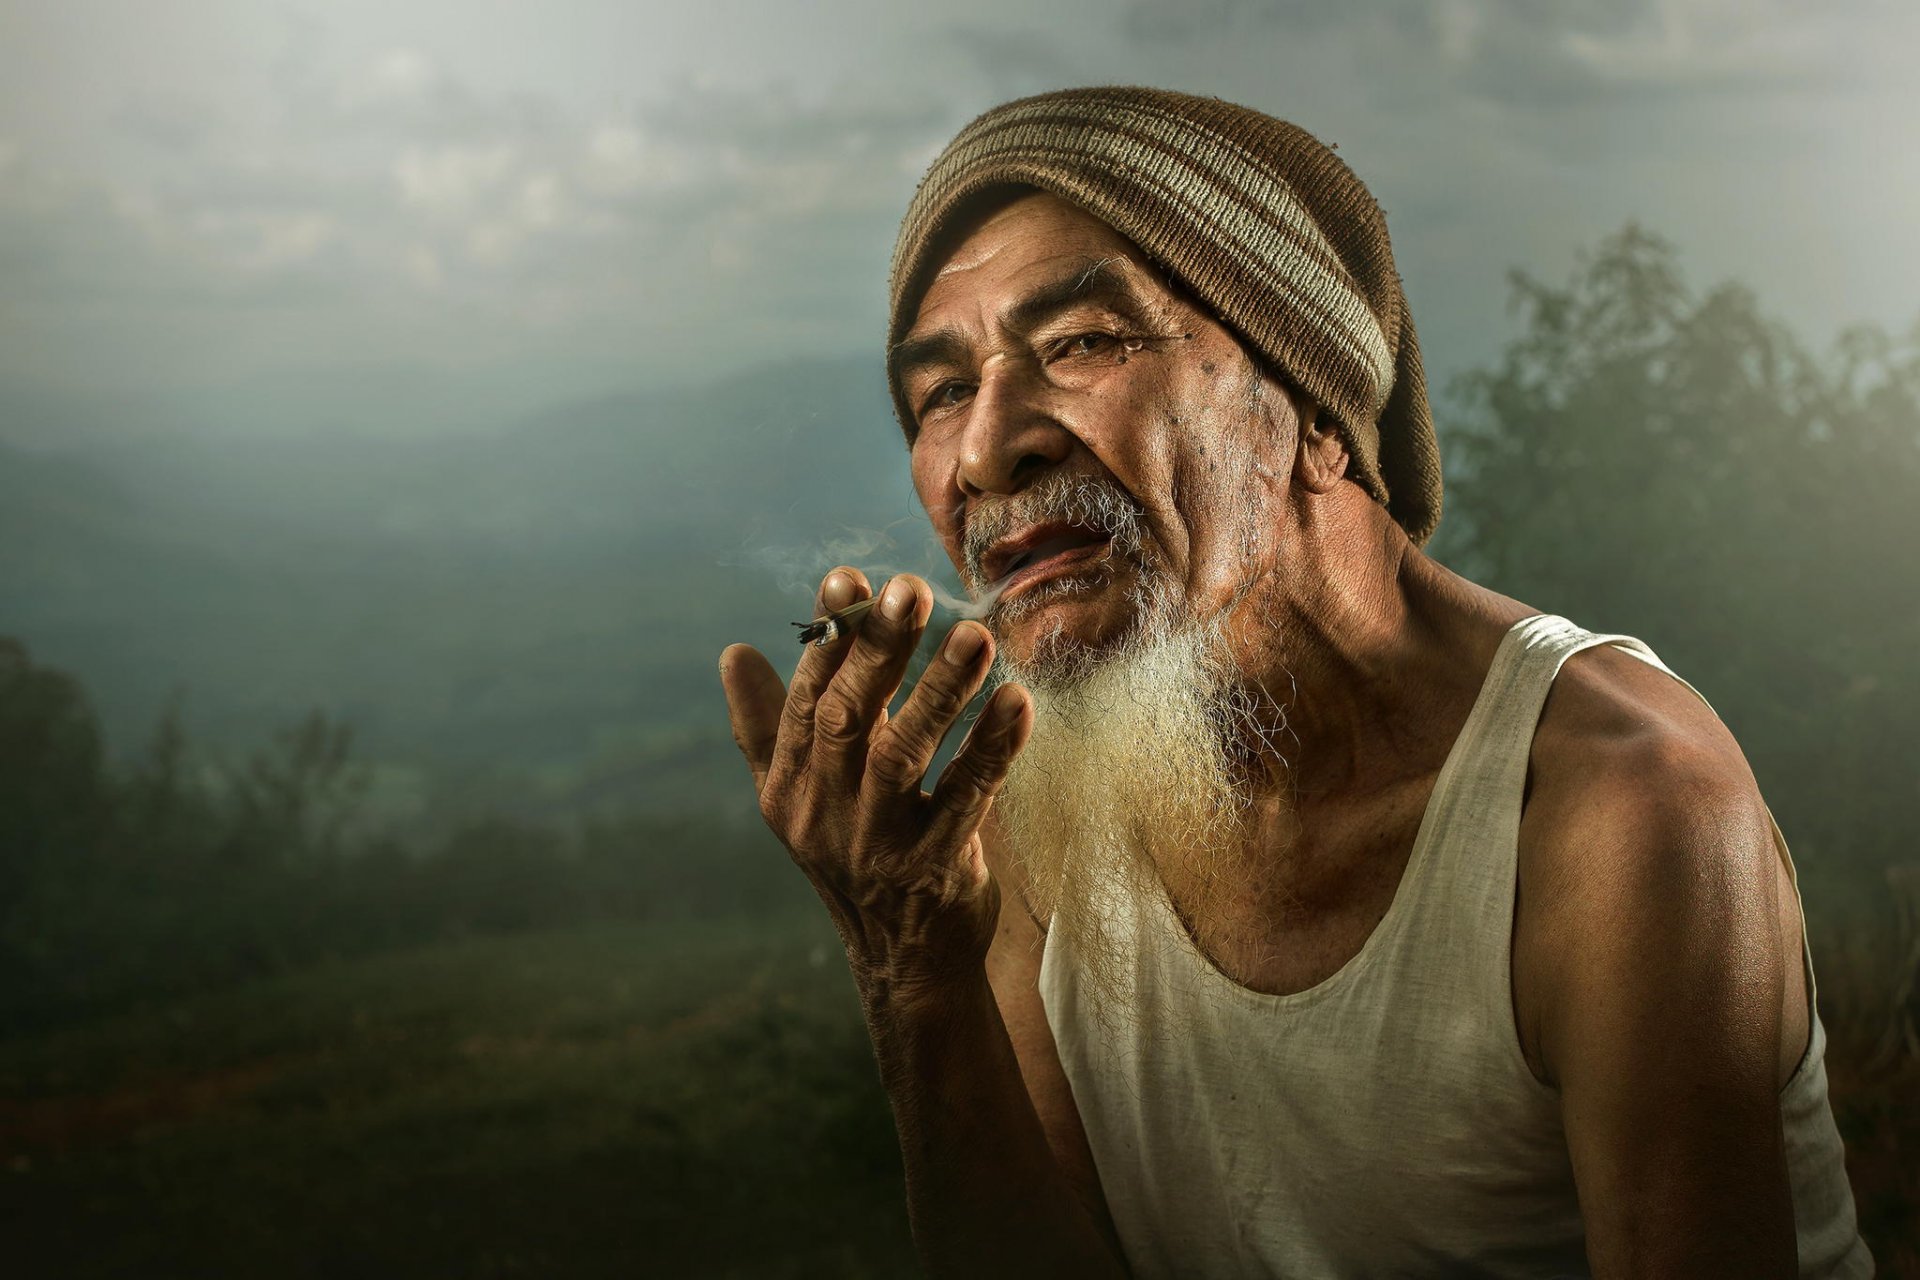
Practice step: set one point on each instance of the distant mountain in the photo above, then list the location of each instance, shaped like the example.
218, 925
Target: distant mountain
544, 602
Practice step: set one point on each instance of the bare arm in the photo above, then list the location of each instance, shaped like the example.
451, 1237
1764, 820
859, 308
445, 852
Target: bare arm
1013, 969
985, 1190
1659, 984
904, 876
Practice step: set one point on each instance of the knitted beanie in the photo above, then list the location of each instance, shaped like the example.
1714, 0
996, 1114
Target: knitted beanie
1256, 218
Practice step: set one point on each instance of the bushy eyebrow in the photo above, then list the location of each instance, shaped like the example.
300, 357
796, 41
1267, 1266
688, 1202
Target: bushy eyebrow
1091, 280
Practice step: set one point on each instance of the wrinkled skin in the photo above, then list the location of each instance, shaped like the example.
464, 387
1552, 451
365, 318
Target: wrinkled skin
1132, 383
1128, 380
1655, 932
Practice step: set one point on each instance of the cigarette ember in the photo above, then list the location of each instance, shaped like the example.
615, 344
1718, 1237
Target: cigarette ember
829, 627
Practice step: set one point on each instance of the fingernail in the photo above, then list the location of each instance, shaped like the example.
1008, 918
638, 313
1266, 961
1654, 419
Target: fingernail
963, 645
837, 591
898, 599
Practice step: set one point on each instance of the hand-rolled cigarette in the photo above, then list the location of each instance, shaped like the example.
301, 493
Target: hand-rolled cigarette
828, 627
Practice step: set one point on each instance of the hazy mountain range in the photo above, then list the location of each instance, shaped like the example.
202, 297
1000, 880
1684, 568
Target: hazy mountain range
531, 610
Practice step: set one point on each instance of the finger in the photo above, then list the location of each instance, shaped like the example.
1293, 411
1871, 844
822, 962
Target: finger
902, 750
755, 697
967, 787
847, 710
840, 588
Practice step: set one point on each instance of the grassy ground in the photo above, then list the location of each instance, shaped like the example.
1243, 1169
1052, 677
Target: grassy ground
622, 1101
695, 1100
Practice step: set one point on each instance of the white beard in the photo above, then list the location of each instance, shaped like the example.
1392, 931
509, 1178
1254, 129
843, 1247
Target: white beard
1129, 775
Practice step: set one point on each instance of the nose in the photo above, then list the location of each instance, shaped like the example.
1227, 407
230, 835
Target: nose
1011, 436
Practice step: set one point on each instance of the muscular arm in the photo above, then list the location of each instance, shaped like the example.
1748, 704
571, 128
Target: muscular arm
1651, 965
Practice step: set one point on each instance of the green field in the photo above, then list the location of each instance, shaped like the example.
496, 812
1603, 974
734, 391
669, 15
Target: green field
623, 1100
691, 1099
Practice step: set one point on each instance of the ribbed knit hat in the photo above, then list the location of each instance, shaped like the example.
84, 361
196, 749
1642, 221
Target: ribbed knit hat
1255, 217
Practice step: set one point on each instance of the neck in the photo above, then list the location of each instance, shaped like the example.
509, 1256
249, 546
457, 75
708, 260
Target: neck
1359, 639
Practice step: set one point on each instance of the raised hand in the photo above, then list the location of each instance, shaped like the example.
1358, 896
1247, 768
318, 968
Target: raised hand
900, 868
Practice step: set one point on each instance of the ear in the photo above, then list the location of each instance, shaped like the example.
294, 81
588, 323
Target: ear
1322, 459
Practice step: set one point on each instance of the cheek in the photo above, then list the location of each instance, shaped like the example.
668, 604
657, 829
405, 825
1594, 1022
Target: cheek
933, 484
1135, 429
925, 469
1232, 500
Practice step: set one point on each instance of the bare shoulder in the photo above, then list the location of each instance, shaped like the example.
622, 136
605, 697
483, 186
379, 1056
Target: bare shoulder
1620, 738
1648, 869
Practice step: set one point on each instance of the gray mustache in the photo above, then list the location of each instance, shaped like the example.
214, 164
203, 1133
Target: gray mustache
1087, 502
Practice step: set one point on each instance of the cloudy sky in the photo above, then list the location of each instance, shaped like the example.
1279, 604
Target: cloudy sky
434, 215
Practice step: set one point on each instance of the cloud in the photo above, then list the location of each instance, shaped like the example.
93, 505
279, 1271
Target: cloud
450, 181
386, 186
168, 122
1550, 53
621, 158
1010, 63
388, 205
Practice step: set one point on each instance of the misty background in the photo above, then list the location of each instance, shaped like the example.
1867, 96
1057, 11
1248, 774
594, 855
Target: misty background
401, 405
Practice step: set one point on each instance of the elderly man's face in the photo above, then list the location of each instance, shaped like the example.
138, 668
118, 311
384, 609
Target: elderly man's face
1048, 357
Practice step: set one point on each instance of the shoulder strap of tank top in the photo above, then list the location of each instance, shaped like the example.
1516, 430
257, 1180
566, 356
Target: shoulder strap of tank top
1640, 650
1475, 810
1469, 839
1489, 761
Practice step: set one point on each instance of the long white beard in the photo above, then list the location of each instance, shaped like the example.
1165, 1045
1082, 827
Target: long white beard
1129, 775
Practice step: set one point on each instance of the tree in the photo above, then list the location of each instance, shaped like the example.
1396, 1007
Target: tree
52, 780
294, 800
1680, 467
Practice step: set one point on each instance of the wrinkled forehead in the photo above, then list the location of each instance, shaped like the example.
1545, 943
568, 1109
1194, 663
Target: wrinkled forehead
1014, 218
1032, 251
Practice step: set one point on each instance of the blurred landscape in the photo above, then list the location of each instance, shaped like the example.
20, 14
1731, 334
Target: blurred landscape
380, 891
532, 608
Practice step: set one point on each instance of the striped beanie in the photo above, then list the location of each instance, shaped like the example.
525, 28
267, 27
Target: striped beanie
1256, 218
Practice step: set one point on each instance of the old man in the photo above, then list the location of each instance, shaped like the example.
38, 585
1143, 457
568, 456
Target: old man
1294, 906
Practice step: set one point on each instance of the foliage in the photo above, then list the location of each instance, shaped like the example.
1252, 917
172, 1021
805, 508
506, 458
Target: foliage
1643, 459
50, 772
176, 874
1679, 467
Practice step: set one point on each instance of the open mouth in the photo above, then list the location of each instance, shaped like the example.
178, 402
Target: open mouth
1045, 552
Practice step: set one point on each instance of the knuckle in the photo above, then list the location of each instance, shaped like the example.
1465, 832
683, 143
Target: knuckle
869, 656
836, 720
963, 789
796, 718
773, 808
950, 889
895, 760
803, 851
942, 686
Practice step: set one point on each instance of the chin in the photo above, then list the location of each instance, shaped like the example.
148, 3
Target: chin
1067, 622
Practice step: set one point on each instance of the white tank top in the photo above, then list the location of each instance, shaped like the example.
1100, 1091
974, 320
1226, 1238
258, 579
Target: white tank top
1384, 1122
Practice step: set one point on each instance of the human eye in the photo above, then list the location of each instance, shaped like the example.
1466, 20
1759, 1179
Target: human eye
1093, 342
944, 395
